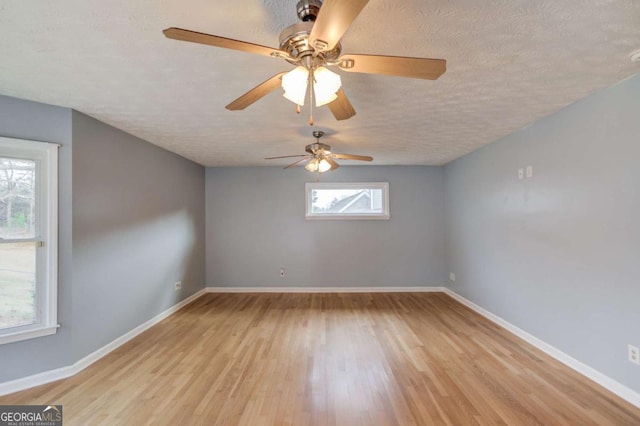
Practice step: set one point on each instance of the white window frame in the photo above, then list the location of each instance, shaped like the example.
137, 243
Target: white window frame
310, 186
46, 238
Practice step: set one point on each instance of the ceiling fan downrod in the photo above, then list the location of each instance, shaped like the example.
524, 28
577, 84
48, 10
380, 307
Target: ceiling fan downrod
308, 9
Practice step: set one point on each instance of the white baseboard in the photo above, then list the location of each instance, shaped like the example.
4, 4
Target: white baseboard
324, 289
64, 372
70, 370
603, 380
36, 380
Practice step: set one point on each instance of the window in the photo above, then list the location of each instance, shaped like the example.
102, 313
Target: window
28, 239
357, 200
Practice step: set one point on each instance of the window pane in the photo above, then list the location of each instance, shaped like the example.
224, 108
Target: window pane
17, 198
28, 244
17, 284
346, 201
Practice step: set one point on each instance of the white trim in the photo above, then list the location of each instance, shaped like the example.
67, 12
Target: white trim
345, 216
25, 143
603, 380
28, 333
36, 380
94, 356
70, 370
45, 155
324, 289
51, 238
608, 383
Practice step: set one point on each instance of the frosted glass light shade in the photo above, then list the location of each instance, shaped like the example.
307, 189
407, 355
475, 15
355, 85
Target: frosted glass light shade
295, 85
312, 165
323, 166
316, 165
325, 86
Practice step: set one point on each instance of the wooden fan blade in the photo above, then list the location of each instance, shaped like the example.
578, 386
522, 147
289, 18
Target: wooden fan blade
341, 108
428, 69
302, 162
213, 40
352, 157
256, 93
334, 165
287, 156
333, 20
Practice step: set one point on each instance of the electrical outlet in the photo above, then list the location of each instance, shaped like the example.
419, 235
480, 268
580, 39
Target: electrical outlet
452, 276
634, 354
282, 272
178, 285
529, 171
520, 174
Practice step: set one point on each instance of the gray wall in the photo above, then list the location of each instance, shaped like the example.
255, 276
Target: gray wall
256, 224
138, 227
29, 120
557, 255
131, 223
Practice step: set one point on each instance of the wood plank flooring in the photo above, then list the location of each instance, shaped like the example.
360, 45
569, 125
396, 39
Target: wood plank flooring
323, 359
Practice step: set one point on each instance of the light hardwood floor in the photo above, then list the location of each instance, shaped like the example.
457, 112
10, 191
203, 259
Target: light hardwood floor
348, 359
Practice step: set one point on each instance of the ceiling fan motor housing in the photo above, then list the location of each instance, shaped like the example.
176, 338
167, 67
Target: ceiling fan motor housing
295, 39
316, 148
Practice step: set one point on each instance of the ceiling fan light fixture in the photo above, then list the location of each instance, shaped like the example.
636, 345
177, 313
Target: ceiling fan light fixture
310, 46
295, 84
323, 166
312, 165
324, 99
317, 165
319, 157
326, 84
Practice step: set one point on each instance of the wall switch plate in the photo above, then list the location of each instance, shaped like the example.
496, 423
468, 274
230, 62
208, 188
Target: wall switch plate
634, 354
282, 272
529, 172
520, 174
452, 276
178, 285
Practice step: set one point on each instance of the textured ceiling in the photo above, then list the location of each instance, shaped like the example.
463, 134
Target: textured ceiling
510, 63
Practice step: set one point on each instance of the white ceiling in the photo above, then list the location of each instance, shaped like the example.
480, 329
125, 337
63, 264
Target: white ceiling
510, 63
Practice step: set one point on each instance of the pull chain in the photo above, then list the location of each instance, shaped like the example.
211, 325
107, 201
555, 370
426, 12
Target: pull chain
311, 97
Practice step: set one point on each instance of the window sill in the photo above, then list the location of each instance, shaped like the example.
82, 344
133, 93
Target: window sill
31, 333
347, 217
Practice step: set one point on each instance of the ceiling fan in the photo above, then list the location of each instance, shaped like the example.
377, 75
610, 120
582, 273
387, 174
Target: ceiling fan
311, 46
319, 157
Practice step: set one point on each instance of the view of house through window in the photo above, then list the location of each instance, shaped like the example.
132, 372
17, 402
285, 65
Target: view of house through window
17, 242
348, 200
